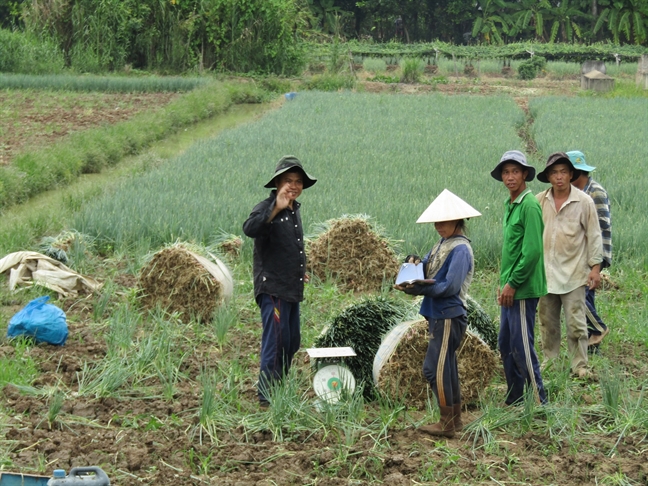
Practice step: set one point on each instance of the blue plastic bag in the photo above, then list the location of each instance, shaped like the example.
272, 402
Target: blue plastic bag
44, 322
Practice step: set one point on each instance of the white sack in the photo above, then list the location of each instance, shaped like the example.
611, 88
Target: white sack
30, 267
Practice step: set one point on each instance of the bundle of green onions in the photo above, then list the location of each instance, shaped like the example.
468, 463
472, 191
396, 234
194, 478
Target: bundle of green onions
480, 323
362, 326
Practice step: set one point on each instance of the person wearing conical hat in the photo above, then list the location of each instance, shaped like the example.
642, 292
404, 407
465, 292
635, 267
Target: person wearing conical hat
596, 328
279, 267
449, 265
522, 279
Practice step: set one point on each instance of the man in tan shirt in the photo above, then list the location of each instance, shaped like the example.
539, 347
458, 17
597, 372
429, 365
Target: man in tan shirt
573, 252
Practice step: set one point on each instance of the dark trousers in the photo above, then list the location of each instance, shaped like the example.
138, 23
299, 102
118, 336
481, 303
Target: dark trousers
516, 345
279, 342
440, 365
595, 324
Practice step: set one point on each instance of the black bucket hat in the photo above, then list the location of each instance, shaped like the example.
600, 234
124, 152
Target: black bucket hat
558, 158
517, 157
287, 163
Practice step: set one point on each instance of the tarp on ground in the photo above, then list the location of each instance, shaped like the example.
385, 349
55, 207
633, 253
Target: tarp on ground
29, 267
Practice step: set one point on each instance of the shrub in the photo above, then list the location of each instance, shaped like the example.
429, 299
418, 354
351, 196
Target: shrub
330, 82
375, 66
273, 84
411, 70
529, 69
337, 58
21, 53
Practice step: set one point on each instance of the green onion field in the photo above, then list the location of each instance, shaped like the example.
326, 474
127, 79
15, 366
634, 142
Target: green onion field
153, 400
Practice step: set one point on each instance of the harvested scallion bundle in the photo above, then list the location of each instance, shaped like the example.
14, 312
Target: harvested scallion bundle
362, 326
480, 323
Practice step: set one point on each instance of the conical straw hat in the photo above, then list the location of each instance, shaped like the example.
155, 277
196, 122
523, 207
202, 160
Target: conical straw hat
447, 207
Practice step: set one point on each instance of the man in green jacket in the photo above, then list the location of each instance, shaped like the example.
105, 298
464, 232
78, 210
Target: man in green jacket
522, 279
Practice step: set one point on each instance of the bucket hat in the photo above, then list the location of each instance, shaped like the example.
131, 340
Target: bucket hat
557, 158
517, 157
286, 163
577, 158
447, 207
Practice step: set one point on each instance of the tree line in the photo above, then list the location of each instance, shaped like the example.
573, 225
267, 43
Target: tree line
267, 36
487, 21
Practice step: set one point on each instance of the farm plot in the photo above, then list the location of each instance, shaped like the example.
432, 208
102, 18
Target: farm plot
386, 156
613, 135
35, 118
159, 402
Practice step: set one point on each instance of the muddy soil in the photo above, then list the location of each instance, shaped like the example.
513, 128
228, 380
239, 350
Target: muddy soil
153, 440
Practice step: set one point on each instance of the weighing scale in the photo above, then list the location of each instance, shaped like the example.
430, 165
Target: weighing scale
332, 379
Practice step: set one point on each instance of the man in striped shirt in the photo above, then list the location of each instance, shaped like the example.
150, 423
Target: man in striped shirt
596, 329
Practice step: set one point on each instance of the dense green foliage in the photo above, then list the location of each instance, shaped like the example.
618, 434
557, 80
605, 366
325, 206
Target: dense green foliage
22, 53
530, 69
270, 36
175, 35
489, 21
394, 51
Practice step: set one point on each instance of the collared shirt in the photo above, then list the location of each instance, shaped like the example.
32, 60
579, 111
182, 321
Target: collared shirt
522, 253
602, 203
571, 238
279, 257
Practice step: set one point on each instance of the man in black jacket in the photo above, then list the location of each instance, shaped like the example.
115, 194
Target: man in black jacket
279, 269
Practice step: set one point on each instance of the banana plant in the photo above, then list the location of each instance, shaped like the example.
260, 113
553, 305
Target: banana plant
532, 13
325, 12
493, 21
628, 17
564, 21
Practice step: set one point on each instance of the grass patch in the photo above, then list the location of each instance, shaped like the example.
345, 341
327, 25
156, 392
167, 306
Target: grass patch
329, 82
102, 84
19, 368
374, 66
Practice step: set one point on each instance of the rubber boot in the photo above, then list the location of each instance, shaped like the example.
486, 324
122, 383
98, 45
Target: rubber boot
458, 423
444, 427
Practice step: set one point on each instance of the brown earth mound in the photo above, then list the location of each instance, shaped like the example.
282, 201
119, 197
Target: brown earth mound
175, 281
353, 254
401, 376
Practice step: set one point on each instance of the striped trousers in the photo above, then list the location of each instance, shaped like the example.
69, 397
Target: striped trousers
516, 345
440, 364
